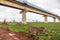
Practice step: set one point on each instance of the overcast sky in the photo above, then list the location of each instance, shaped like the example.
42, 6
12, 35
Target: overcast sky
52, 6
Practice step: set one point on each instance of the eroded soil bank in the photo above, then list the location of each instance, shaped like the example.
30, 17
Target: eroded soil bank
9, 35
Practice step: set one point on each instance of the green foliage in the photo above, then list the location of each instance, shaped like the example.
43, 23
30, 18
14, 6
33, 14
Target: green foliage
52, 28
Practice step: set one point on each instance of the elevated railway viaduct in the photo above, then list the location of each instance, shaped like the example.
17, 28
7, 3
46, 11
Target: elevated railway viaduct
26, 8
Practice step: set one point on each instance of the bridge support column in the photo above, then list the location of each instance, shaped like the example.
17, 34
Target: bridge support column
59, 19
23, 12
45, 19
54, 19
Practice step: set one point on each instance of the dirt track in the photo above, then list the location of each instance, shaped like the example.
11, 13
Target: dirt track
8, 35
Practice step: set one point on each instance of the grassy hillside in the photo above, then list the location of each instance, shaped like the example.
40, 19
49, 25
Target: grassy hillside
52, 28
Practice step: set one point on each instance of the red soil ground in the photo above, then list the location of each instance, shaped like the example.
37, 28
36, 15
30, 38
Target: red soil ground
8, 35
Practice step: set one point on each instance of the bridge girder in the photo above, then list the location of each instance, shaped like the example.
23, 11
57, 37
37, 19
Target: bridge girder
18, 5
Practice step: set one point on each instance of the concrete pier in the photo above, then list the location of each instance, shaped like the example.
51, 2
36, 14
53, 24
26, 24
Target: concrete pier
45, 19
23, 12
59, 19
54, 19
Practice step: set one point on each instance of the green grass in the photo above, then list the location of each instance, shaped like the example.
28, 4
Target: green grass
52, 28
